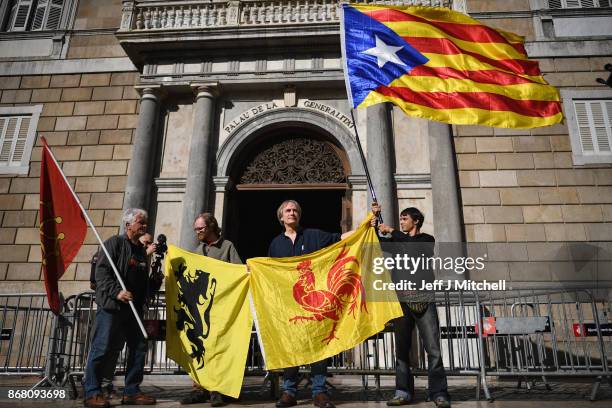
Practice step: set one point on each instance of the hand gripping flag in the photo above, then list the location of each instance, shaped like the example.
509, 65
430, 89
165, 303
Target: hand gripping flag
442, 65
62, 225
208, 323
314, 306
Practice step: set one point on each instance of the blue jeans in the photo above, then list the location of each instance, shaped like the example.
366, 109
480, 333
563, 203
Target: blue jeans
107, 371
318, 374
429, 331
113, 330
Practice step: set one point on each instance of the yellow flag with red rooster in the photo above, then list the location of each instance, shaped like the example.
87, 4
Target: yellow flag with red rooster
315, 306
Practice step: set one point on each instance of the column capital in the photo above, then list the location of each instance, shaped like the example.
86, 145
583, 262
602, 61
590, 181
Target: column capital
222, 183
154, 92
205, 89
358, 182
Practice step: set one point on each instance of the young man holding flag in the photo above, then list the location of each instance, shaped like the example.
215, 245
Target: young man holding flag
420, 311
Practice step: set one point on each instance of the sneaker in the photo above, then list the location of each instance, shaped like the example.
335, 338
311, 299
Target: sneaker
398, 400
138, 399
442, 402
196, 396
286, 400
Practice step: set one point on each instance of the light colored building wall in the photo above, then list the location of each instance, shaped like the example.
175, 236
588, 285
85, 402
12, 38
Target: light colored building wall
521, 186
95, 14
88, 121
517, 186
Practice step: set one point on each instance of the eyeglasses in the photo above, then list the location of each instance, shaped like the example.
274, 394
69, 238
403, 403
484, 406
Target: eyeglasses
198, 229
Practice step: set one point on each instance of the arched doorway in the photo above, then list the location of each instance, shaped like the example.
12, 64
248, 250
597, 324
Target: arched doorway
289, 162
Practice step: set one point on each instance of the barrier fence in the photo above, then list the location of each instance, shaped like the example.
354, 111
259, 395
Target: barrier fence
529, 335
25, 327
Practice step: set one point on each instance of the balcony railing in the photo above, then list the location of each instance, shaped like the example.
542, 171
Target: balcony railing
156, 15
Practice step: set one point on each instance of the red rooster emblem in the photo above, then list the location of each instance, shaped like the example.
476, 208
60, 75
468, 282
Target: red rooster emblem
344, 289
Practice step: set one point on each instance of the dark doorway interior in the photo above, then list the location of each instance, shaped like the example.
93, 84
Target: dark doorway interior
251, 223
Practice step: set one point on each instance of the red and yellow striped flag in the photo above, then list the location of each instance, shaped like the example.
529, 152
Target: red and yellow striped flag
445, 66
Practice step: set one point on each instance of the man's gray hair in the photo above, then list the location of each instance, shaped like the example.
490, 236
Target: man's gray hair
130, 214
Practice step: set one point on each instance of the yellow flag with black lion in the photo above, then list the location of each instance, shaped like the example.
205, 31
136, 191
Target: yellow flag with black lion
208, 323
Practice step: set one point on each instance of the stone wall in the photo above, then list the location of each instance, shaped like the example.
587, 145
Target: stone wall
88, 121
521, 185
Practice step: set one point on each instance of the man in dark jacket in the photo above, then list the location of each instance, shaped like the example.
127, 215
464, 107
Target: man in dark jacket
115, 322
419, 310
296, 241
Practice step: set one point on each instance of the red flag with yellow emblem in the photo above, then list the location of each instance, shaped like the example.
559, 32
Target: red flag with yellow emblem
62, 225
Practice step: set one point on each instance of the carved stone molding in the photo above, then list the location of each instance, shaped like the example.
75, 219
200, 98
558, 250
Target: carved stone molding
173, 15
295, 161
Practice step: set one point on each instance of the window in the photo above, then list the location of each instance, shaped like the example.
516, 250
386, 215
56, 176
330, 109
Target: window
17, 133
34, 15
569, 4
589, 120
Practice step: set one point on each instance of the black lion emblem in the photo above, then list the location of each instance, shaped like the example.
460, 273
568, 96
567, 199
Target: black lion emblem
194, 291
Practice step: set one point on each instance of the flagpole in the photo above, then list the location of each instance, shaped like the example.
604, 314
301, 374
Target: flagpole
91, 224
365, 166
350, 98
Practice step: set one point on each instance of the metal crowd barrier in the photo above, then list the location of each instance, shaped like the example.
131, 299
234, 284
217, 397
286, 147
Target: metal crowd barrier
523, 334
25, 327
537, 333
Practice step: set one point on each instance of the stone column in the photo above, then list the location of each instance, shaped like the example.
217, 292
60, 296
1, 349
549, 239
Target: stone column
140, 174
447, 214
199, 177
381, 160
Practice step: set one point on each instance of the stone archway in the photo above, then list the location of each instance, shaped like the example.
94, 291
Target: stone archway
284, 159
235, 143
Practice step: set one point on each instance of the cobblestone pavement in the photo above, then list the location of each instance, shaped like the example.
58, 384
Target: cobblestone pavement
347, 391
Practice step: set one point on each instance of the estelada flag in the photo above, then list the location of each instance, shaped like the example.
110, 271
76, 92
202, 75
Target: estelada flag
442, 65
315, 306
62, 225
208, 320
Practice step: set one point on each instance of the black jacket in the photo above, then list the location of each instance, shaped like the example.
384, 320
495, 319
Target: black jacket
108, 287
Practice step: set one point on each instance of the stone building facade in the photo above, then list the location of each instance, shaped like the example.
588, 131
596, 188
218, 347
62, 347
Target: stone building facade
232, 106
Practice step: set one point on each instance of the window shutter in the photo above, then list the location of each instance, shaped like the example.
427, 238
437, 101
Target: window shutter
8, 138
603, 125
21, 139
595, 125
582, 117
54, 15
39, 15
563, 4
20, 15
13, 139
3, 124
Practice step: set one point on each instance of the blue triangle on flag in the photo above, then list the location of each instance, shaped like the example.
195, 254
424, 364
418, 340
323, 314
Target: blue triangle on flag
363, 71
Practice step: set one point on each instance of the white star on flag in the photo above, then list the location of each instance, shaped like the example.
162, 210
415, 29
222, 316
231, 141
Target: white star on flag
384, 53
